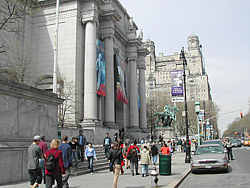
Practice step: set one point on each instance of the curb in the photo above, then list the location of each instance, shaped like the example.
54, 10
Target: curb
177, 182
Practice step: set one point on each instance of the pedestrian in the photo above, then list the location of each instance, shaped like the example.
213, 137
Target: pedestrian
116, 158
73, 144
229, 147
165, 150
34, 169
90, 155
115, 137
67, 159
82, 142
107, 144
54, 167
145, 160
179, 143
44, 148
133, 156
154, 151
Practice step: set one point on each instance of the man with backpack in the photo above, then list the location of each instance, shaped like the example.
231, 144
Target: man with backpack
34, 170
133, 156
107, 145
54, 167
82, 141
67, 159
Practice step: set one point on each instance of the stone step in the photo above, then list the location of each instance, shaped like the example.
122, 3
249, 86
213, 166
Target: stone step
84, 170
85, 164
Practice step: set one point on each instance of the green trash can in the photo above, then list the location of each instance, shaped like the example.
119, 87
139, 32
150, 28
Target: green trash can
165, 164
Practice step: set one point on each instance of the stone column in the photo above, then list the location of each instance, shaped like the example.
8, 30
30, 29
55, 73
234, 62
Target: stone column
133, 94
142, 94
142, 52
109, 118
90, 96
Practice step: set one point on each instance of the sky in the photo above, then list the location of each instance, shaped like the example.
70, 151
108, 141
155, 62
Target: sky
223, 28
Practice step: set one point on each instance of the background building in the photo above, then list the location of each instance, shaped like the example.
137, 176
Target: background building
159, 69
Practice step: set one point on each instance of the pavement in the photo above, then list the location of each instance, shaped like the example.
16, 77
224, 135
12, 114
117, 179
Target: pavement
237, 177
104, 179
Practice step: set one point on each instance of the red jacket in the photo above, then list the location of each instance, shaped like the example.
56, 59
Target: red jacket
131, 147
58, 155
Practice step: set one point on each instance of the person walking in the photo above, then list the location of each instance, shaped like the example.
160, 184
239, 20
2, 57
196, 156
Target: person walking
107, 144
73, 144
145, 160
90, 155
116, 159
67, 159
44, 148
154, 151
133, 156
82, 142
54, 167
34, 169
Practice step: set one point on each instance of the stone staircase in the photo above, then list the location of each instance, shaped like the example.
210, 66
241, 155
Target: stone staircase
101, 164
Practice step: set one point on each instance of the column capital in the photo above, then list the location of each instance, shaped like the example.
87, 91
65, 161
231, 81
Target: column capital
107, 32
90, 15
141, 66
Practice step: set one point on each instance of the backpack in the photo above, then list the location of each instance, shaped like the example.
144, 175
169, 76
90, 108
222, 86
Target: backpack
51, 162
132, 153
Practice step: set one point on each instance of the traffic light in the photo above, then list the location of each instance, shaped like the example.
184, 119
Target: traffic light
241, 115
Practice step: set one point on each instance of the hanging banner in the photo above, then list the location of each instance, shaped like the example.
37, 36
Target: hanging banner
100, 68
177, 91
120, 81
177, 83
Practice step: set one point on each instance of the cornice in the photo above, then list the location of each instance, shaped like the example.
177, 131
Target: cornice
14, 89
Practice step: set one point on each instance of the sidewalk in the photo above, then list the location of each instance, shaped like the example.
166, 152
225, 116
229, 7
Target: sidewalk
104, 179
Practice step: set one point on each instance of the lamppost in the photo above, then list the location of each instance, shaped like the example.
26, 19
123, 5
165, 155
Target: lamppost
197, 111
184, 61
151, 87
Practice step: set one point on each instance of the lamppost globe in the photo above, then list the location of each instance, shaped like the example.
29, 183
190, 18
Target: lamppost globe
197, 107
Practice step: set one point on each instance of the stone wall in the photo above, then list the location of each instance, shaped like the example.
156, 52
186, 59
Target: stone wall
24, 112
13, 164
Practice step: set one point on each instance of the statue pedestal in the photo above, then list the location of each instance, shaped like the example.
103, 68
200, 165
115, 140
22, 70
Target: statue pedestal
166, 132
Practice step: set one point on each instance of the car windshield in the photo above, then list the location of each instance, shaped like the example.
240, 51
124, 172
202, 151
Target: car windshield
212, 142
209, 149
235, 141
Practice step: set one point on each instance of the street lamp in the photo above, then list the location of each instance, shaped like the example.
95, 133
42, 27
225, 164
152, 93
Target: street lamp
184, 61
197, 111
151, 87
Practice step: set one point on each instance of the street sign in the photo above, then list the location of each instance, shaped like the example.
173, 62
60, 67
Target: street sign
177, 99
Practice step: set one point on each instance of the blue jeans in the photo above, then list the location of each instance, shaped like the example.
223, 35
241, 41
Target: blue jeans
90, 160
74, 155
154, 158
144, 169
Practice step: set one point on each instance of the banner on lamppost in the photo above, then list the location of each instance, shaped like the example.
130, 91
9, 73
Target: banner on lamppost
177, 91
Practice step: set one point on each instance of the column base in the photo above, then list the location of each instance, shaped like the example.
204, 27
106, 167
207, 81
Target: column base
89, 123
109, 124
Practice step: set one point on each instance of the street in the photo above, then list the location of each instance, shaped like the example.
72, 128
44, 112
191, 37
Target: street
238, 176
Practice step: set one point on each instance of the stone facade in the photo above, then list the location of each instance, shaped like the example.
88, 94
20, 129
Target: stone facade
25, 112
81, 23
198, 88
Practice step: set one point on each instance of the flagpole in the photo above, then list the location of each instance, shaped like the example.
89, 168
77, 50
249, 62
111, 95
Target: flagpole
56, 49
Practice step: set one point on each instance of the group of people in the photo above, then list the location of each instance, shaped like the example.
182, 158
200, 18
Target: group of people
122, 154
53, 163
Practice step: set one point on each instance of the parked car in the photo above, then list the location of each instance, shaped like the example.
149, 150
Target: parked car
236, 142
209, 157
